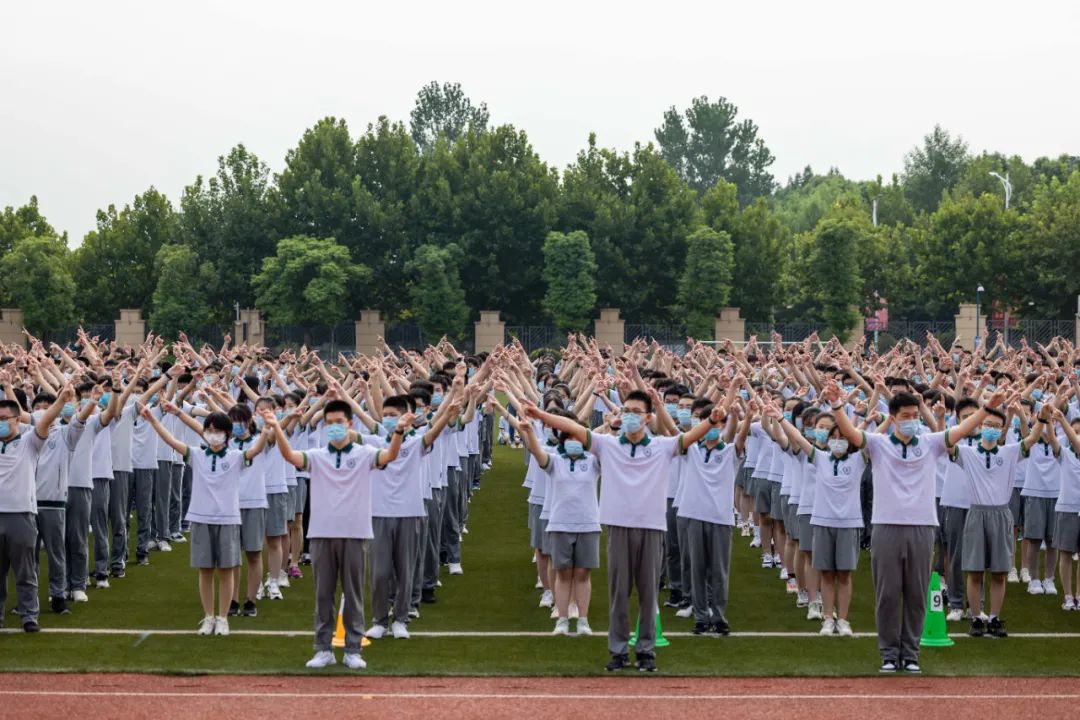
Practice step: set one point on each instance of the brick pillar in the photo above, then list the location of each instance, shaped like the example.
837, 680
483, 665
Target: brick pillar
730, 326
611, 330
369, 328
965, 325
490, 331
130, 328
11, 325
248, 330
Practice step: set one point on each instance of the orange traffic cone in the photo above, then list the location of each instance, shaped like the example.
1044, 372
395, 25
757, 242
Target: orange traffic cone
339, 633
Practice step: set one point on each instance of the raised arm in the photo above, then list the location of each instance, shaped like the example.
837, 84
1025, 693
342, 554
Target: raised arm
161, 430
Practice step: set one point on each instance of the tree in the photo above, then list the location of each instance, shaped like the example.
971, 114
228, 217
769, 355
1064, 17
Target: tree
183, 286
307, 282
711, 144
933, 169
800, 207
570, 274
19, 223
447, 111
833, 273
39, 283
438, 302
705, 285
759, 262
1052, 229
976, 178
893, 205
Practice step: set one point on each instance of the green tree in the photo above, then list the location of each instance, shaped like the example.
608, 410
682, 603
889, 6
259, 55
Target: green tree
705, 285
804, 201
934, 168
444, 110
758, 238
976, 178
570, 274
307, 282
833, 273
711, 143
17, 223
438, 301
183, 288
39, 282
1052, 229
893, 205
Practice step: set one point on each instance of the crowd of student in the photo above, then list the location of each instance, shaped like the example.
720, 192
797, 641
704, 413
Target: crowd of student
926, 455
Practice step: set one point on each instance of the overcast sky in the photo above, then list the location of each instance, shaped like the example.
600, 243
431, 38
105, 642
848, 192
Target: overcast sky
103, 99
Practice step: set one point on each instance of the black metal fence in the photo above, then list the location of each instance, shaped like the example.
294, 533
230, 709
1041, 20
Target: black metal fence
790, 332
672, 337
407, 335
1034, 331
67, 336
914, 330
327, 340
536, 337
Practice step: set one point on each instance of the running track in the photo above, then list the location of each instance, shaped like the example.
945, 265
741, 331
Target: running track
135, 697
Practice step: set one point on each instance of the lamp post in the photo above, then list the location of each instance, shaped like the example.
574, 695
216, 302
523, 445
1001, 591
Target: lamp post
1008, 187
978, 313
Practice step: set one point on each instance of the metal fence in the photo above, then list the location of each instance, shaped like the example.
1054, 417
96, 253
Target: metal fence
326, 340
407, 335
1034, 331
536, 337
672, 337
789, 331
914, 330
67, 336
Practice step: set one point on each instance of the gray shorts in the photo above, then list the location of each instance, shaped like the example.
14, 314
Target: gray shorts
1039, 519
740, 477
277, 515
987, 541
1066, 532
764, 503
750, 484
215, 546
784, 509
576, 550
534, 513
301, 494
806, 533
791, 520
536, 535
252, 529
1016, 507
835, 549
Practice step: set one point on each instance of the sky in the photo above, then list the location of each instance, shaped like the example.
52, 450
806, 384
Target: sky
104, 99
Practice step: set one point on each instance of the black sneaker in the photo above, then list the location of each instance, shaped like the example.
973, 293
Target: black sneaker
427, 595
618, 662
31, 626
142, 559
912, 667
476, 485
674, 599
978, 627
234, 609
118, 573
646, 662
887, 667
249, 609
305, 559
997, 628
701, 628
59, 606
721, 627
685, 603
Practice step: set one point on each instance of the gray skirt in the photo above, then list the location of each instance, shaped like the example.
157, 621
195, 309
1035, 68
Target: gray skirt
806, 533
215, 546
252, 529
1039, 519
987, 543
575, 550
277, 515
1067, 532
536, 535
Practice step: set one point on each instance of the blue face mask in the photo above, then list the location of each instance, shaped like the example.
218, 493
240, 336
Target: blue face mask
798, 423
336, 432
672, 409
389, 424
471, 372
279, 414
1016, 422
712, 435
849, 389
908, 428
1035, 394
744, 394
611, 371
787, 415
991, 434
104, 401
155, 372
259, 422
574, 448
631, 422
312, 400
5, 428
956, 357
234, 371
83, 402
68, 410
153, 399
436, 400
238, 429
821, 435
684, 415
809, 433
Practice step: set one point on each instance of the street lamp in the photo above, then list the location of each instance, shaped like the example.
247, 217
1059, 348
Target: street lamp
978, 312
1007, 184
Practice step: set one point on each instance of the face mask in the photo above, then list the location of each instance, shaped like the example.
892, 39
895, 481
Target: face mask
908, 428
312, 400
849, 389
68, 410
83, 402
992, 388
1036, 394
259, 422
153, 399
104, 401
956, 357
574, 448
745, 395
337, 432
991, 434
809, 433
821, 436
214, 438
389, 424
838, 446
917, 379
631, 422
1016, 423
238, 429
436, 400
798, 423
234, 371
471, 372
35, 417
694, 422
672, 409
713, 435
155, 373
5, 428
279, 414
787, 415
684, 416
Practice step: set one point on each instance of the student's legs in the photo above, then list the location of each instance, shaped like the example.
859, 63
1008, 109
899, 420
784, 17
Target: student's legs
159, 526
296, 537
99, 520
176, 496
75, 532
997, 593
582, 582
434, 536
18, 546
118, 517
420, 547
673, 557
844, 588
681, 526
887, 556
382, 566
828, 593
206, 590
50, 524
1065, 563
144, 497
254, 576
543, 569
563, 580
954, 542
404, 558
918, 547
650, 548
286, 547
779, 540
620, 570
352, 589
226, 583
273, 556
185, 497
326, 559
451, 530
810, 578
975, 593
697, 539
719, 543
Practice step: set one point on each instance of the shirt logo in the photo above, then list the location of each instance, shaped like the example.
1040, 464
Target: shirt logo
224, 467
405, 453
52, 444
648, 452
999, 462
847, 470
916, 451
350, 463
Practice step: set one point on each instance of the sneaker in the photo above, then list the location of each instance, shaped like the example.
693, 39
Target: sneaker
376, 631
554, 613
978, 628
803, 599
59, 606
206, 627
539, 584
996, 628
887, 666
792, 586
261, 592
249, 609
295, 573
178, 538
843, 628
617, 663
828, 627
766, 561
1069, 604
79, 596
1013, 576
547, 599
562, 627
955, 615
1048, 586
31, 626
102, 583
353, 661
152, 545
685, 612
912, 667
164, 546
674, 599
427, 596
399, 630
1035, 588
143, 560
305, 559
455, 569
721, 627
273, 592
414, 613
783, 573
745, 531
234, 609
573, 611
283, 579
221, 626
646, 662
700, 628
583, 627
321, 659
777, 561
118, 573
756, 542
1025, 575
465, 529
814, 611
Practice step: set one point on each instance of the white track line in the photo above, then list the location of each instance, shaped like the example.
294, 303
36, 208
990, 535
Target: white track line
476, 634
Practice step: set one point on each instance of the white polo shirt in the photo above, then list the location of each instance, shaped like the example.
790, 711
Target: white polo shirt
837, 500
399, 489
1042, 477
215, 485
341, 490
252, 476
904, 478
989, 474
633, 493
1069, 499
54, 462
571, 502
709, 484
18, 458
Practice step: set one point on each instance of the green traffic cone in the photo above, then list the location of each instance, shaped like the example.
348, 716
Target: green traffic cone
935, 633
661, 641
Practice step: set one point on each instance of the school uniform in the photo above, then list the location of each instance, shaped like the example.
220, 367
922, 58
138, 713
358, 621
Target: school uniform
573, 523
437, 461
836, 521
805, 509
51, 483
450, 542
101, 472
215, 507
988, 529
144, 442
18, 527
177, 469
955, 504
1067, 509
1042, 485
79, 504
162, 497
253, 503
672, 553
120, 439
277, 496
1016, 500
538, 491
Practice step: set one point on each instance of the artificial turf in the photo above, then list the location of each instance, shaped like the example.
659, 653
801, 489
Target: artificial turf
496, 594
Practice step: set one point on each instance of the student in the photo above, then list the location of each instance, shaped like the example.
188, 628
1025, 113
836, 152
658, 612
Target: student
955, 503
904, 518
214, 513
145, 465
1067, 509
633, 506
1042, 485
822, 426
120, 438
341, 475
253, 505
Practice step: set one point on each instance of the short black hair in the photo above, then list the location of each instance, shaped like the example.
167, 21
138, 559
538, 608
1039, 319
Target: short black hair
967, 403
402, 403
996, 413
11, 405
339, 406
218, 421
641, 397
902, 400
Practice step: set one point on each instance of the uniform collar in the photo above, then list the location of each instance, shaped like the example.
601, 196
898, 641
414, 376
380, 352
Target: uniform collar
897, 441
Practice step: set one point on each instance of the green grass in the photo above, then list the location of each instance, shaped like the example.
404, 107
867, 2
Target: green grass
496, 594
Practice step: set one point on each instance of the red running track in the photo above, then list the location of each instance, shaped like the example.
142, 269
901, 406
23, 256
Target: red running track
154, 697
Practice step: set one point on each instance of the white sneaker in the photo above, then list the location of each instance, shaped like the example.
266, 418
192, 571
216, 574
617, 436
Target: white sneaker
777, 561
554, 613
102, 584
206, 627
756, 542
685, 612
283, 580
464, 530
152, 545
583, 627
562, 627
164, 546
539, 585
783, 573
955, 615
766, 561
221, 626
814, 612
547, 599
455, 569
79, 596
843, 628
399, 630
802, 599
828, 627
376, 631
792, 586
414, 613
745, 532
353, 661
273, 592
1069, 604
1025, 575
573, 611
1035, 588
1048, 586
261, 592
1013, 576
321, 659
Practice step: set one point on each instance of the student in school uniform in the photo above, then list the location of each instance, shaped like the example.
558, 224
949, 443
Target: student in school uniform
120, 439
253, 505
955, 503
1067, 510
341, 475
1042, 485
144, 442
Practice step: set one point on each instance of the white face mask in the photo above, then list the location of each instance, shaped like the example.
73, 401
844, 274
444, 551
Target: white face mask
214, 438
838, 446
36, 416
